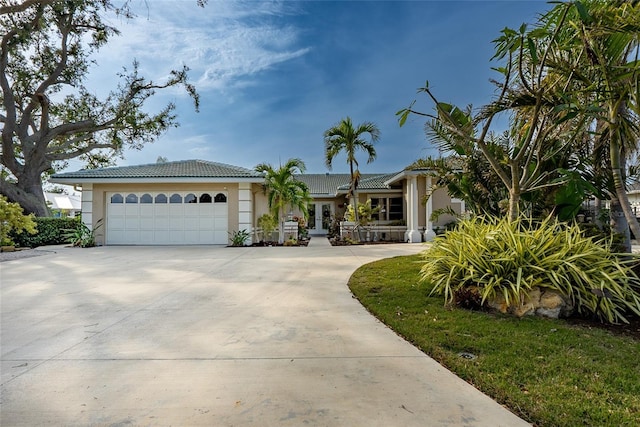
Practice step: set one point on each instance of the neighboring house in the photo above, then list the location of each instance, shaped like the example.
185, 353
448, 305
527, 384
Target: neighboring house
633, 192
200, 202
63, 204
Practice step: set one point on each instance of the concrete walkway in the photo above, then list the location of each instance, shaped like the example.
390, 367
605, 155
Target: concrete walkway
214, 336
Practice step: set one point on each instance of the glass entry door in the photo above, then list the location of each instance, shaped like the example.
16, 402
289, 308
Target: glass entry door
320, 217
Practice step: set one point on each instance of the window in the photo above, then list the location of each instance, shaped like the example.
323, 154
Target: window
190, 198
161, 198
220, 198
205, 198
175, 198
390, 208
381, 213
146, 198
131, 198
395, 208
116, 198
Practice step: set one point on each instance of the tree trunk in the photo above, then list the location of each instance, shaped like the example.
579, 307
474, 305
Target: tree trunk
354, 201
617, 168
28, 193
619, 223
281, 220
514, 202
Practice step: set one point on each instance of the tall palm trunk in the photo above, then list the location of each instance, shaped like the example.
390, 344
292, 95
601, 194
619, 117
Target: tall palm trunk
618, 162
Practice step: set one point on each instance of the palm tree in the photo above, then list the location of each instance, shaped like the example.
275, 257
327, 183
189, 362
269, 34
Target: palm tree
283, 190
599, 53
344, 137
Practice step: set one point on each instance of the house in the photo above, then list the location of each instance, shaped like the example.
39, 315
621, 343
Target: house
64, 204
200, 202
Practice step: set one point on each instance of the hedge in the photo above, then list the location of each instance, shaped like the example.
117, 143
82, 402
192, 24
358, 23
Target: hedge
50, 232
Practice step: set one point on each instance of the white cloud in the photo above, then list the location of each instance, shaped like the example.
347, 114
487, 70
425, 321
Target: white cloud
223, 44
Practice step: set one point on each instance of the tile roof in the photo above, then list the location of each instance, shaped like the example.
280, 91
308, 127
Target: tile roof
321, 184
179, 169
371, 182
329, 184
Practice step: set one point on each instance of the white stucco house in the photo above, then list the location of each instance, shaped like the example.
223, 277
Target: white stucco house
66, 204
200, 202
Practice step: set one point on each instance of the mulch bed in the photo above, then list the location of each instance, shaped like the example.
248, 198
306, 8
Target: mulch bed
632, 329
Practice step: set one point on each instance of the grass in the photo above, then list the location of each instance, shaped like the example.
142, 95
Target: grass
548, 372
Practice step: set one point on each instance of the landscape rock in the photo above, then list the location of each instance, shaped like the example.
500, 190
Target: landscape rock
539, 301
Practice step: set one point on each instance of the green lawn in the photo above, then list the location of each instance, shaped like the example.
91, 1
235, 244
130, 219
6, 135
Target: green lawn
548, 372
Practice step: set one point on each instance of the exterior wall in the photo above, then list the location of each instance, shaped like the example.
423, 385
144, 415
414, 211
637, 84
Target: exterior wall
99, 202
441, 200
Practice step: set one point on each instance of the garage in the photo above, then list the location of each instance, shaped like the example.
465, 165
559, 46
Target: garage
167, 218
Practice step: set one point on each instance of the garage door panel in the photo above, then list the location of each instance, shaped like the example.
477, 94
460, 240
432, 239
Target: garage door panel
116, 236
176, 209
116, 209
192, 236
176, 237
147, 223
206, 223
131, 209
146, 210
147, 237
116, 222
191, 222
132, 223
207, 237
176, 223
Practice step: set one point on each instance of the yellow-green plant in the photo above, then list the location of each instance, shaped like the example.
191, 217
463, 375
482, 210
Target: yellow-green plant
509, 258
365, 212
13, 219
268, 223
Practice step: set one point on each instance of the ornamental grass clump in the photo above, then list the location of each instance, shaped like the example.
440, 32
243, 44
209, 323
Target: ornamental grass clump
506, 259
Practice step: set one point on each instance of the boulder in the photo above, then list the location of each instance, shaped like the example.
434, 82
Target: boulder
539, 301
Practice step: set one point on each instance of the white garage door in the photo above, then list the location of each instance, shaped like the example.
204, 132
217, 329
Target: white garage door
167, 218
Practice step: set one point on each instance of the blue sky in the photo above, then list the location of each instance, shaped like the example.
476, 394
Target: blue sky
273, 76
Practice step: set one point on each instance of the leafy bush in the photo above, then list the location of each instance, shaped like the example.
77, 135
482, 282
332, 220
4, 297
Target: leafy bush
50, 232
13, 222
81, 235
509, 258
238, 238
365, 212
268, 223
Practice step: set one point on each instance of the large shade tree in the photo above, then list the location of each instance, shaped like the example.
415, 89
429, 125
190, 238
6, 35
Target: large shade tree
284, 191
47, 113
347, 139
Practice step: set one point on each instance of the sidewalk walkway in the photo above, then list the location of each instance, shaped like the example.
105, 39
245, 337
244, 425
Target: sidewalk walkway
319, 242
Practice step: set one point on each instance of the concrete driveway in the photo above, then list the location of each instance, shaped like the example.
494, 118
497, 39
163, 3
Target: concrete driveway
214, 336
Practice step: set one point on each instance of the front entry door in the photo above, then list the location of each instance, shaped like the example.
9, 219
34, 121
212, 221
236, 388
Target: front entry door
320, 214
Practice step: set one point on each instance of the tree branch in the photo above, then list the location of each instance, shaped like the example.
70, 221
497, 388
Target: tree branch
21, 7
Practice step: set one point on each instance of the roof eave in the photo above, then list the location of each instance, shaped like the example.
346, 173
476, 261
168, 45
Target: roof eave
407, 173
156, 180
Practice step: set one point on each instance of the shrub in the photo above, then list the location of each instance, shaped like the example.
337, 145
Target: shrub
365, 212
268, 223
50, 232
509, 258
13, 222
238, 238
82, 235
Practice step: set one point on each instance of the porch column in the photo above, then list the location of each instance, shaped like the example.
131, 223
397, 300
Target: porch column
245, 209
429, 234
86, 209
413, 233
